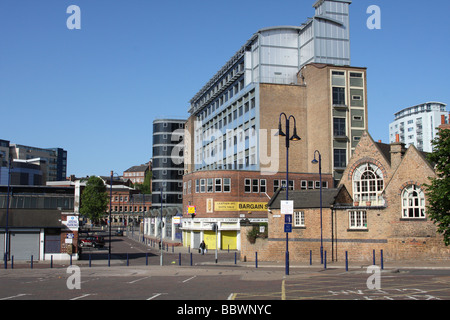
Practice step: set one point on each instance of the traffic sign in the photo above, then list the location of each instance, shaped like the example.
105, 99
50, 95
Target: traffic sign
288, 228
288, 218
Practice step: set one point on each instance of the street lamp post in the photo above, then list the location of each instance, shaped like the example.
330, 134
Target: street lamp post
320, 179
161, 231
7, 212
110, 208
294, 137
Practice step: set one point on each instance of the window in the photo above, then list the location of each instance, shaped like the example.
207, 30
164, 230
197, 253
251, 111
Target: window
210, 185
218, 185
339, 127
226, 185
299, 219
247, 185
358, 219
338, 96
262, 185
202, 185
340, 158
197, 186
413, 202
304, 185
255, 186
282, 183
368, 184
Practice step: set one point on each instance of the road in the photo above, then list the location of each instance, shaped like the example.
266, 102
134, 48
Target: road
207, 282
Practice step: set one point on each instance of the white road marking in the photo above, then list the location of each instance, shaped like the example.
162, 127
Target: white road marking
17, 296
189, 279
134, 281
81, 297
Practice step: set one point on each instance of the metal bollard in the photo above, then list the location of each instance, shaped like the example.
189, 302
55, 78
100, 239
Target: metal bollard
235, 257
346, 261
325, 260
90, 260
256, 260
191, 258
382, 262
179, 258
374, 257
310, 257
31, 261
12, 262
51, 262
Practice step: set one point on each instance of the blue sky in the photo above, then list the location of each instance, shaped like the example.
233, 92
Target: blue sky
96, 91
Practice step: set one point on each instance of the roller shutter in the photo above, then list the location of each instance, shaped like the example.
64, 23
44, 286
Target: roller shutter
24, 245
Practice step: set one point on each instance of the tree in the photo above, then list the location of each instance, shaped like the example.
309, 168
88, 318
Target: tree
146, 187
94, 199
438, 192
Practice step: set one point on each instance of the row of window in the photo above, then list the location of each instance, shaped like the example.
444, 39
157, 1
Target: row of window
413, 208
213, 185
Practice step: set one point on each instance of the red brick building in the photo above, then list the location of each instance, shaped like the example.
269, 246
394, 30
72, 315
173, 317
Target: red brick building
380, 205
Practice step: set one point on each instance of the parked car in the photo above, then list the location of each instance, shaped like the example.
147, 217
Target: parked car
93, 241
119, 233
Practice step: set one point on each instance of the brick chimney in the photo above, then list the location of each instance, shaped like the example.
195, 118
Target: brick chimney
397, 152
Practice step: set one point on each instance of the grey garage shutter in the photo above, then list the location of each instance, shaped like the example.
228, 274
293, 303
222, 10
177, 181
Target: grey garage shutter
24, 245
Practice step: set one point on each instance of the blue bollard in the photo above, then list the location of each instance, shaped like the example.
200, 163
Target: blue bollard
256, 260
235, 257
382, 262
179, 258
325, 260
12, 262
51, 262
191, 258
31, 261
109, 260
374, 257
346, 260
310, 257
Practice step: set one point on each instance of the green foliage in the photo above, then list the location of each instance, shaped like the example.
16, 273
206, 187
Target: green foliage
438, 192
146, 187
94, 199
255, 232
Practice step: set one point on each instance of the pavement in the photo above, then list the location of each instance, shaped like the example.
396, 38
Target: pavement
130, 251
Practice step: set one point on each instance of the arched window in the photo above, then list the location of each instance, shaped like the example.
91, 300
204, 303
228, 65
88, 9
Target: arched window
368, 185
413, 202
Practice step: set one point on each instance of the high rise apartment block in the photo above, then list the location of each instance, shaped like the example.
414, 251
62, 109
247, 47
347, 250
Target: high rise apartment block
417, 125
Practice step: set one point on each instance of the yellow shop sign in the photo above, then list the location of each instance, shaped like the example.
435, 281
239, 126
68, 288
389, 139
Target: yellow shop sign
240, 206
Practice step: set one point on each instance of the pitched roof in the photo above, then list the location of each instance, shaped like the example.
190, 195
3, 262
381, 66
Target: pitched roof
140, 168
304, 199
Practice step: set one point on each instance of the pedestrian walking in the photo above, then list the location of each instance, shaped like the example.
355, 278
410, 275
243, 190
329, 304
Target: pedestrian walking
203, 247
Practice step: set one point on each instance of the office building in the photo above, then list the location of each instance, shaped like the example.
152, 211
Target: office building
167, 162
55, 159
417, 125
233, 159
